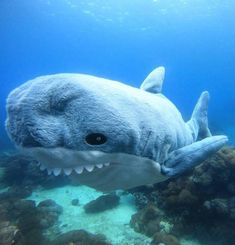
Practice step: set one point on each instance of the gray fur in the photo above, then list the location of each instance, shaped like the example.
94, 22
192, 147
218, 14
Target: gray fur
143, 128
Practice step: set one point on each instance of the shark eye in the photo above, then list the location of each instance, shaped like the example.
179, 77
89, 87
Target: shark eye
96, 139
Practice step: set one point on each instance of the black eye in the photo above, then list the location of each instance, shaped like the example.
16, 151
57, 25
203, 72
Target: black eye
96, 139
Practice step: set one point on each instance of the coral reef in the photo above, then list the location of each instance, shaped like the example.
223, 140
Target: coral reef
22, 219
75, 202
23, 222
80, 237
9, 233
102, 203
200, 204
164, 238
151, 221
147, 220
49, 212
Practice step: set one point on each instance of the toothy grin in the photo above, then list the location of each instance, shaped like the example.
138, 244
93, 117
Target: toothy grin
68, 171
97, 169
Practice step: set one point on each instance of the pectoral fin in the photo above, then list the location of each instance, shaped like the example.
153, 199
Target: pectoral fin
189, 156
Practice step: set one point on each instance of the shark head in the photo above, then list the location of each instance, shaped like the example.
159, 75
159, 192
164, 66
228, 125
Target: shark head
83, 126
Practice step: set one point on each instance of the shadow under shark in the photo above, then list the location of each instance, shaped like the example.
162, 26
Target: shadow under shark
106, 134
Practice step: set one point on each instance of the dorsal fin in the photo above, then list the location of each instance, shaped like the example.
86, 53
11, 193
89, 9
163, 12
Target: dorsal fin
153, 82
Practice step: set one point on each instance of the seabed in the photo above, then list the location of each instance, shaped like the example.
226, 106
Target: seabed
114, 223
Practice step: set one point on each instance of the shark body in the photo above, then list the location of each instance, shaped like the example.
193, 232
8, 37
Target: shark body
106, 134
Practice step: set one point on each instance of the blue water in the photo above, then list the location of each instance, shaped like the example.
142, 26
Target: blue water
124, 40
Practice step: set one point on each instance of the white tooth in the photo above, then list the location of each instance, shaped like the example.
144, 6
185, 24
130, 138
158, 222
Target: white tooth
68, 171
42, 167
49, 171
99, 165
89, 168
107, 164
56, 171
79, 169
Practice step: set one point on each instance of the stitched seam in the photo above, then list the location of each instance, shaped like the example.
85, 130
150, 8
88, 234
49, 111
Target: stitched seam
146, 142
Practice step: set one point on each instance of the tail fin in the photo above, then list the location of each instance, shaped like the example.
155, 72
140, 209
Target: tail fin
198, 123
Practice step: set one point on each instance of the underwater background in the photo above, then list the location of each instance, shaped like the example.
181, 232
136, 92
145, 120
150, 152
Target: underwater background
122, 40
125, 40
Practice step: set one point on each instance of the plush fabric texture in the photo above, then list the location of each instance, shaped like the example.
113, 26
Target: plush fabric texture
61, 110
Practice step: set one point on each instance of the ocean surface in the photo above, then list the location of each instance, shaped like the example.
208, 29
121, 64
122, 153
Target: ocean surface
124, 40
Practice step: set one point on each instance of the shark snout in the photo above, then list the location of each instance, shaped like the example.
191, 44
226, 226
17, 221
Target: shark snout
35, 130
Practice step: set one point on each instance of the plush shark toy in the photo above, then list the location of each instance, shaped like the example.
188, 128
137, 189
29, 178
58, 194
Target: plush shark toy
107, 134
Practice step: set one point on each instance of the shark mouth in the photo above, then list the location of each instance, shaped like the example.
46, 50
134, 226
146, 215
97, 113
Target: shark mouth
62, 160
68, 171
100, 170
